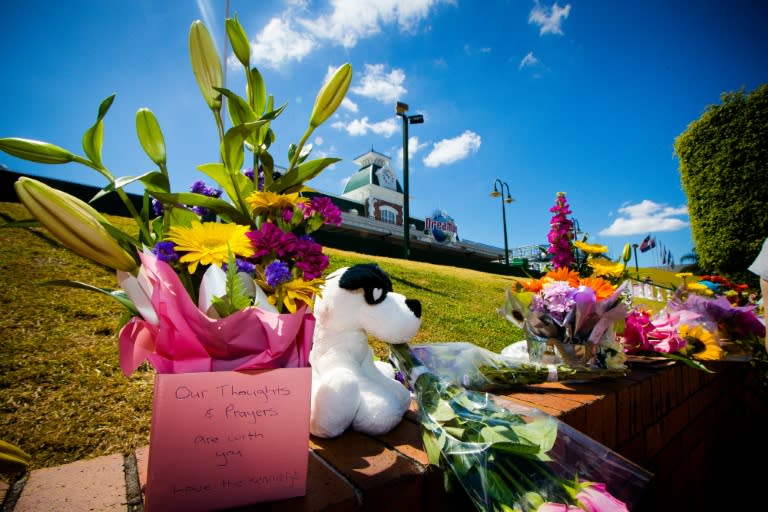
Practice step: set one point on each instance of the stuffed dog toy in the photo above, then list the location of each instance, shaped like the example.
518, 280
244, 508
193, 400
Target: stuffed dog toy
348, 388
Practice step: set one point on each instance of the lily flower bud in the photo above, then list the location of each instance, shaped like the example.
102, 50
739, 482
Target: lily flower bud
205, 64
150, 136
330, 96
36, 151
239, 40
74, 223
626, 255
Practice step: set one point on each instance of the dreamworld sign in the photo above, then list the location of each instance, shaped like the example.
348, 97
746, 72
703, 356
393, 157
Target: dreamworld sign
441, 226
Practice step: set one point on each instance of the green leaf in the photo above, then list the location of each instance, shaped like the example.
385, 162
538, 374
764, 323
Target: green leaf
93, 139
150, 136
119, 295
232, 151
155, 182
259, 99
25, 223
104, 107
262, 139
235, 298
119, 183
228, 181
239, 110
273, 114
180, 216
217, 206
431, 447
35, 151
301, 174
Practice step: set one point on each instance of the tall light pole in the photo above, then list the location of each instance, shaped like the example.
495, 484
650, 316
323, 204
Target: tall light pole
400, 110
637, 269
497, 193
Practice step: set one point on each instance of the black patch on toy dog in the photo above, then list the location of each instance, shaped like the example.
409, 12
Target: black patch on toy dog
370, 278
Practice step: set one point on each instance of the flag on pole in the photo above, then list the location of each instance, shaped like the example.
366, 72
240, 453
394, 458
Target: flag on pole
645, 245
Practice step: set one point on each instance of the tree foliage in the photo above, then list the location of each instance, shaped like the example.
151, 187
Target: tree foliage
723, 162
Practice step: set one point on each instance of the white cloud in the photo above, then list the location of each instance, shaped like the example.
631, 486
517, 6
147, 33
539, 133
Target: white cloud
351, 20
646, 217
348, 104
361, 127
414, 146
448, 151
292, 34
549, 19
278, 43
529, 60
378, 84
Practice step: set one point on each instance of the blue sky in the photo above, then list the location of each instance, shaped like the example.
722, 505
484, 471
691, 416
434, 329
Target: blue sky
581, 97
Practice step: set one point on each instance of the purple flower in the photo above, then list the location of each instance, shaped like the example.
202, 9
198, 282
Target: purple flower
310, 258
560, 235
277, 273
329, 211
556, 298
270, 239
157, 207
199, 187
325, 207
242, 266
165, 251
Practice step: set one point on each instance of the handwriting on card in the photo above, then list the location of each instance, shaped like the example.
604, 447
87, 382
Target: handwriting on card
224, 439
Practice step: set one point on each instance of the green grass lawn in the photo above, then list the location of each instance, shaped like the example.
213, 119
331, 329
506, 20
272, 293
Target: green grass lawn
63, 396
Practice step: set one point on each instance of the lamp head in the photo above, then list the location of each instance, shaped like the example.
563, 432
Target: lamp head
401, 108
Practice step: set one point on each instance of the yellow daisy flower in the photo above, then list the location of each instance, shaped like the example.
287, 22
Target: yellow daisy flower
700, 289
294, 293
209, 243
702, 344
590, 248
264, 202
605, 267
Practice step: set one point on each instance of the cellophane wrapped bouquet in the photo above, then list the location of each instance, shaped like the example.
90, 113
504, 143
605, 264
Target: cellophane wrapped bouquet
696, 326
221, 277
568, 315
508, 457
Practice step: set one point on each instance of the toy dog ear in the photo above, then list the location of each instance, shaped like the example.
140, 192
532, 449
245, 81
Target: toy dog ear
368, 276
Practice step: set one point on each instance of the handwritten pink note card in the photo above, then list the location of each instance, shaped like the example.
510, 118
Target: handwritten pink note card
226, 439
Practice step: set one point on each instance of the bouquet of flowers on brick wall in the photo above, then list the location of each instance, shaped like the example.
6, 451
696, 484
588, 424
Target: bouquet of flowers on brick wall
568, 314
218, 278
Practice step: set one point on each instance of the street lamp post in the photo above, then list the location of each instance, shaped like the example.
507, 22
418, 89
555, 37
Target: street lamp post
637, 269
400, 110
497, 193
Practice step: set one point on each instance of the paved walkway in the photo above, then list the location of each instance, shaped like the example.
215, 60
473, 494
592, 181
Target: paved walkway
102, 484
